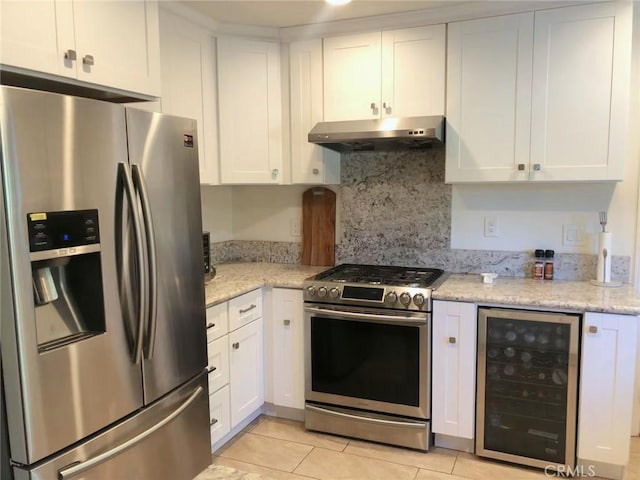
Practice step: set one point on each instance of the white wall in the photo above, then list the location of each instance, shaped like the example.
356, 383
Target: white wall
217, 212
532, 216
266, 212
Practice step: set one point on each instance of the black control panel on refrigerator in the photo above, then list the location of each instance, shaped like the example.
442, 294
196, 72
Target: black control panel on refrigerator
53, 230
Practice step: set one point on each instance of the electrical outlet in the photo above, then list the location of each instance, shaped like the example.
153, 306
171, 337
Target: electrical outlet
573, 235
295, 227
491, 226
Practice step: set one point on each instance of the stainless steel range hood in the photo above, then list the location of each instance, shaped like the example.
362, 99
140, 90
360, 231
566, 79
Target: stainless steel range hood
407, 133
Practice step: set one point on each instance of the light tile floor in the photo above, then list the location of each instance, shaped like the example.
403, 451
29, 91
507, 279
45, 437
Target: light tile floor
280, 449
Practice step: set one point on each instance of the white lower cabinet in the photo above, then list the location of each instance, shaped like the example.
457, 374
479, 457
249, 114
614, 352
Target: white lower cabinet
220, 414
609, 344
236, 363
287, 348
246, 370
454, 372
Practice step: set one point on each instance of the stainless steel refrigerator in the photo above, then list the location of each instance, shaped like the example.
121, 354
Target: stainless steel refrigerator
101, 291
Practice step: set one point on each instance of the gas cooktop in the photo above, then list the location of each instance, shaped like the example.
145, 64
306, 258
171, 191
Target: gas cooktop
375, 285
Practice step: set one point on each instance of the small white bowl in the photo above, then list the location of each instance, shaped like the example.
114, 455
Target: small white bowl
488, 277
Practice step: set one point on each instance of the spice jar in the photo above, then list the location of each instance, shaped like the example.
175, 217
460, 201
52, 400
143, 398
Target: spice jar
538, 266
548, 264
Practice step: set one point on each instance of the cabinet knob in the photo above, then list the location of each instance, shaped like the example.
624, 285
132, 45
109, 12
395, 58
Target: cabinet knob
70, 55
211, 325
593, 329
373, 106
315, 171
211, 369
274, 173
521, 167
536, 167
87, 60
213, 422
236, 346
387, 108
452, 340
287, 322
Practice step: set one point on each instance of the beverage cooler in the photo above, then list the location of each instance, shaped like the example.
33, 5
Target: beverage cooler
527, 386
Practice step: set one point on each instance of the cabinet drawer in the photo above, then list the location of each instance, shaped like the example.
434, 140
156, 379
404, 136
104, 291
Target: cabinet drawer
219, 414
217, 321
218, 353
244, 309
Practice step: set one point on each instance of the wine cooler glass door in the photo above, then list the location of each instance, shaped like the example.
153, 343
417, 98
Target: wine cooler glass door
527, 386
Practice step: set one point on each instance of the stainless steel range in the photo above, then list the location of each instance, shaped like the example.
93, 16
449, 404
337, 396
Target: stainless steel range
368, 352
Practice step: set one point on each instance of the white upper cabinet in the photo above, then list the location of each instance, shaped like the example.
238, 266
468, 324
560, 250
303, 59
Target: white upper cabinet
111, 44
189, 84
543, 104
580, 98
310, 163
250, 111
393, 73
489, 98
413, 71
352, 77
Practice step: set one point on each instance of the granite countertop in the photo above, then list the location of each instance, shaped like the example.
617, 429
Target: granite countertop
553, 294
235, 279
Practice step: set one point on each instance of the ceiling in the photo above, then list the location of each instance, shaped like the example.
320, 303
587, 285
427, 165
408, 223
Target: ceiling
290, 13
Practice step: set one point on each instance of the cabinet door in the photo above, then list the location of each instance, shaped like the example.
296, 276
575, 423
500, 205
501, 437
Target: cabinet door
352, 77
29, 39
454, 372
118, 44
288, 348
413, 71
581, 74
247, 371
609, 345
489, 99
250, 111
187, 66
218, 363
219, 414
309, 163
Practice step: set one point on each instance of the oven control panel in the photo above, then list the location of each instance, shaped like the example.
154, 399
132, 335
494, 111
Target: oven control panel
382, 297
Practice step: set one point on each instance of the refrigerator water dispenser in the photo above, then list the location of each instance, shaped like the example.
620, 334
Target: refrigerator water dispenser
67, 276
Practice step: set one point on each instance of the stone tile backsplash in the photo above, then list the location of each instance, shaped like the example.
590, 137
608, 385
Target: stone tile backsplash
396, 210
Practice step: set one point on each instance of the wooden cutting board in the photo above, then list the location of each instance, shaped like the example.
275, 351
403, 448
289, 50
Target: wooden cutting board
318, 226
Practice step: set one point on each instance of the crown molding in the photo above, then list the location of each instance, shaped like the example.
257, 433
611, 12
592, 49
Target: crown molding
450, 13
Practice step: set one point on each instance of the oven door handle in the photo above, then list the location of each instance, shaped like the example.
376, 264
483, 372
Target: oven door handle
361, 418
368, 317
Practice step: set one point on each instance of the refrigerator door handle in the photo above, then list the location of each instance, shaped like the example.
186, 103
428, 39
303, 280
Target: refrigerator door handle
141, 186
128, 188
78, 468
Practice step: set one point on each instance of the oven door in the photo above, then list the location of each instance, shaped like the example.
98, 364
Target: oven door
368, 358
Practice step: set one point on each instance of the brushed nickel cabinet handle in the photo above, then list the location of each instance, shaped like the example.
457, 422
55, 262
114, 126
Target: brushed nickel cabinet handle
211, 369
452, 340
70, 55
236, 346
248, 309
593, 329
537, 167
213, 422
211, 325
88, 60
